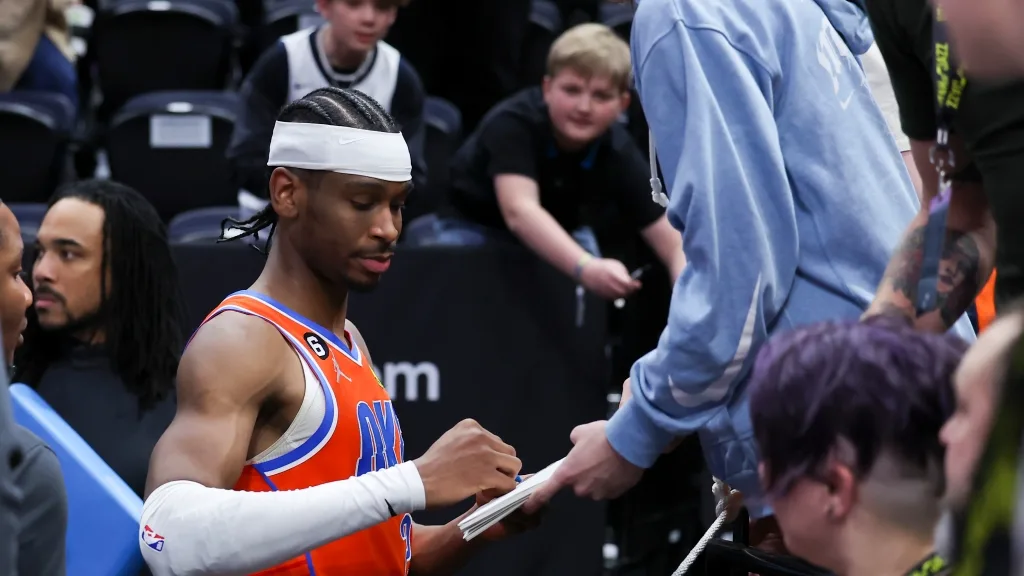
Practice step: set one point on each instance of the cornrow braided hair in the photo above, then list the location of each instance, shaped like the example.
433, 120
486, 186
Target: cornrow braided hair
332, 106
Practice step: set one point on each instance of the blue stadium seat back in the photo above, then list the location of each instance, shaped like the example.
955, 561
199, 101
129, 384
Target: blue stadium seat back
36, 127
202, 225
52, 109
158, 45
170, 146
223, 12
545, 14
302, 11
215, 102
442, 115
103, 512
29, 216
618, 17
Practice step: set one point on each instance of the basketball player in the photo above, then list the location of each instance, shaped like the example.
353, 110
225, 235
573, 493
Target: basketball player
347, 51
286, 456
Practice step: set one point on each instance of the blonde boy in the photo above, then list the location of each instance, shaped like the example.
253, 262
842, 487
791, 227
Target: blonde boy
550, 166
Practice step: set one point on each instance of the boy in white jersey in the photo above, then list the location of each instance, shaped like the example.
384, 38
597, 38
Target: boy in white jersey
346, 51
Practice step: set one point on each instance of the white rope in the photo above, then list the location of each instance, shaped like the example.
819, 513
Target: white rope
726, 507
657, 195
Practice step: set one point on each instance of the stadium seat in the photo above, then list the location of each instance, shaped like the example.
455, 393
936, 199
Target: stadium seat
170, 147
149, 45
443, 116
103, 512
29, 215
443, 137
618, 17
545, 26
201, 226
284, 17
36, 127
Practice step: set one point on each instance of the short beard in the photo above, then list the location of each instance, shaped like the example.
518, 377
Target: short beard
91, 322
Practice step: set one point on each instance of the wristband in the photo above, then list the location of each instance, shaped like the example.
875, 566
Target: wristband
580, 264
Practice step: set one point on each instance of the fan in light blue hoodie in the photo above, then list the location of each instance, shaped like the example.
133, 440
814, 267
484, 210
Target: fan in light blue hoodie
790, 194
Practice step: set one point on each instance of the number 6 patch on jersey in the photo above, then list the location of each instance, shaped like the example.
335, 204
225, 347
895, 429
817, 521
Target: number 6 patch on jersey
317, 345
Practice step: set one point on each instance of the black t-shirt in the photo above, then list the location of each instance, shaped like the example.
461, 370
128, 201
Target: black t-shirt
990, 120
83, 389
599, 186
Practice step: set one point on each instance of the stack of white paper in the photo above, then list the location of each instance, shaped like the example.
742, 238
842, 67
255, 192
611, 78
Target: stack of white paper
494, 511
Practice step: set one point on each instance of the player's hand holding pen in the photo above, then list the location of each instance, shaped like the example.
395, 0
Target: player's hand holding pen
466, 460
515, 523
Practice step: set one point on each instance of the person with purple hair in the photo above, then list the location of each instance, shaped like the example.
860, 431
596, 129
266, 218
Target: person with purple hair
847, 417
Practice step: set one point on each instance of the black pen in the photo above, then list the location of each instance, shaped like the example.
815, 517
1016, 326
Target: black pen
635, 275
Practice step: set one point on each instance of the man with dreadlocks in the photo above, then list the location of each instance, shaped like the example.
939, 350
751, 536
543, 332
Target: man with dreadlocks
106, 330
286, 456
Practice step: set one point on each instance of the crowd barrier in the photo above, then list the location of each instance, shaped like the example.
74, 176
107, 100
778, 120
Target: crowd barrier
487, 333
103, 512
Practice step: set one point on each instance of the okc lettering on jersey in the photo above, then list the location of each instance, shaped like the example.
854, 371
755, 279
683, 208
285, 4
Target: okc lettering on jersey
380, 437
378, 430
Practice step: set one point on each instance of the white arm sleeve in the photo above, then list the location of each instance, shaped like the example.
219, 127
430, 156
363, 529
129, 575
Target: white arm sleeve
190, 529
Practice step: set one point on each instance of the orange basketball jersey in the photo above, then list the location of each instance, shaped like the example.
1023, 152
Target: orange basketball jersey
358, 433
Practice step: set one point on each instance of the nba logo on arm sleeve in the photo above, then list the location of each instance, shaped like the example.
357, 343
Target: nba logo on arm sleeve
152, 539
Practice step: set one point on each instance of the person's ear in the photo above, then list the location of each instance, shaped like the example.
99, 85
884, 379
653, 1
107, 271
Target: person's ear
842, 490
624, 99
546, 88
287, 192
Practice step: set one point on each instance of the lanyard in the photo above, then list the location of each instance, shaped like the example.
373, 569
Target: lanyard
930, 566
949, 87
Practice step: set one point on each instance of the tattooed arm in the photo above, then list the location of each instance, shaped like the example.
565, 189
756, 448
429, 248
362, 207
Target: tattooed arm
967, 256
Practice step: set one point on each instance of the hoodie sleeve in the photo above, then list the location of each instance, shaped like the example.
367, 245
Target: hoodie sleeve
711, 106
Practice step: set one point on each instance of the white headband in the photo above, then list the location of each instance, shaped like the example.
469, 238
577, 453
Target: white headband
380, 155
